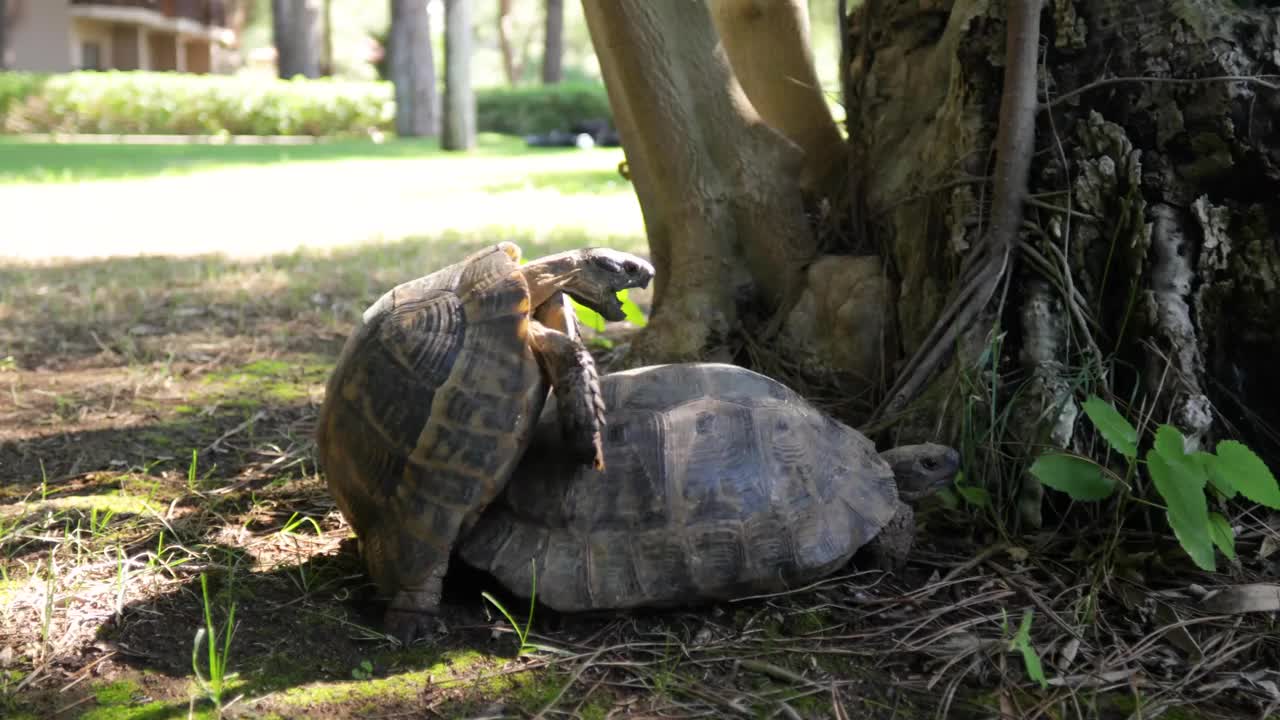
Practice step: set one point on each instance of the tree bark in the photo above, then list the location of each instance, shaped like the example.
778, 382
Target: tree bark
718, 188
296, 27
769, 48
553, 43
459, 129
4, 28
1147, 261
413, 71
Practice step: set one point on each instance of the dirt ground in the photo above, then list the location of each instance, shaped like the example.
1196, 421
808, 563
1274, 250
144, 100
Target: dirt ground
156, 421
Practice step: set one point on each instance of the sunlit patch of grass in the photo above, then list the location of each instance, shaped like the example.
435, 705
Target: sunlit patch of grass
325, 201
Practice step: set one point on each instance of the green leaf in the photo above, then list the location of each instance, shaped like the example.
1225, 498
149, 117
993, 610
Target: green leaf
1181, 481
1223, 536
1220, 482
1170, 443
1119, 433
1078, 477
1030, 659
1241, 468
634, 314
587, 316
975, 496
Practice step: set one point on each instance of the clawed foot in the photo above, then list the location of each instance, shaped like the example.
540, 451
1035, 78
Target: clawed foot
413, 615
410, 625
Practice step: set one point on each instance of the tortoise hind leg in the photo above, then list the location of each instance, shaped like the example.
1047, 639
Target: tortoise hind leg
573, 375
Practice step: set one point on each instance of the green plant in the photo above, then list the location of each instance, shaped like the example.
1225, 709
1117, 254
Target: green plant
296, 521
363, 671
1021, 642
191, 471
216, 684
521, 633
1180, 477
595, 320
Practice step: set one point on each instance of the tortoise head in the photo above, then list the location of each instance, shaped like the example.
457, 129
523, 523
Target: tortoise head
922, 470
592, 276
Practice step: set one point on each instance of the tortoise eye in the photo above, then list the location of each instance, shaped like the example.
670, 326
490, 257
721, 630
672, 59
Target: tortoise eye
929, 464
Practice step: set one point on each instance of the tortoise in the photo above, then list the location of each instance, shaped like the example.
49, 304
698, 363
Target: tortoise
435, 395
721, 482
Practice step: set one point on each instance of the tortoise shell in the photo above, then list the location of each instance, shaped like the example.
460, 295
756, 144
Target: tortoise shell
720, 482
428, 410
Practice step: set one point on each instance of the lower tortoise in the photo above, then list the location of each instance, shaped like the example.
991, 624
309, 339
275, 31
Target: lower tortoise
435, 396
720, 483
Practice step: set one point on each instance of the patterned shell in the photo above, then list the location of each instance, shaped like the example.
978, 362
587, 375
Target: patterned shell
720, 482
430, 407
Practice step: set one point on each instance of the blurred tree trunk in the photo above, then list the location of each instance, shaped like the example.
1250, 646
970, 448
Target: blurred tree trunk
326, 50
459, 128
553, 43
296, 26
413, 69
511, 66
4, 26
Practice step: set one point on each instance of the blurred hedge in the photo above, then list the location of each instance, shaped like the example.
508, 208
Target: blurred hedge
178, 104
539, 108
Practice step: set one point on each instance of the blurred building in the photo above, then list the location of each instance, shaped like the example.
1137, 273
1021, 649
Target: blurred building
62, 35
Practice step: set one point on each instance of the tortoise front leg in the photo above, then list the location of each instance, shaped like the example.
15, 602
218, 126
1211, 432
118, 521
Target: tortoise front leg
890, 548
572, 373
411, 613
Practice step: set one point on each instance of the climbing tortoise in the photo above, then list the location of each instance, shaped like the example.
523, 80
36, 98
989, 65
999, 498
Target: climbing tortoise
721, 483
435, 396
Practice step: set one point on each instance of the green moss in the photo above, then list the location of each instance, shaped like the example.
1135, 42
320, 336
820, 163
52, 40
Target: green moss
448, 669
115, 701
116, 693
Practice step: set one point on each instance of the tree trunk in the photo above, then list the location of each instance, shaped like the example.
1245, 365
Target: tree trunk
718, 188
553, 43
1149, 263
4, 27
510, 66
296, 27
326, 46
459, 128
781, 82
413, 71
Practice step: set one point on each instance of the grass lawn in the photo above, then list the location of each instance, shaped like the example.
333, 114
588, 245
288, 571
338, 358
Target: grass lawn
88, 200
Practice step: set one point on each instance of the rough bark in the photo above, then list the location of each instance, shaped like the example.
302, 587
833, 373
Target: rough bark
553, 43
413, 69
769, 48
717, 186
458, 131
1148, 260
297, 31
